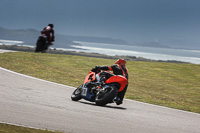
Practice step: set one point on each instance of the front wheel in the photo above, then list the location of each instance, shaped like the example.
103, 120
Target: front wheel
76, 95
102, 98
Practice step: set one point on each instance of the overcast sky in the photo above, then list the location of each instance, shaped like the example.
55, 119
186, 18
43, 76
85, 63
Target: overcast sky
171, 22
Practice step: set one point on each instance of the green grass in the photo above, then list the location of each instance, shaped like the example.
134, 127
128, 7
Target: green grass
5, 128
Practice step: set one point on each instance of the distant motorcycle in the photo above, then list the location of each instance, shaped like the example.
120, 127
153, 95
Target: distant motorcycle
42, 44
95, 91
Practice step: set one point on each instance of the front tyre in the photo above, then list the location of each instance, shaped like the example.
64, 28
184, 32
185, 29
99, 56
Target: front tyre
76, 95
102, 98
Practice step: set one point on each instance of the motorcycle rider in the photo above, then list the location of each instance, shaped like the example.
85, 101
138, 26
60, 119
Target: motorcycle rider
49, 32
119, 68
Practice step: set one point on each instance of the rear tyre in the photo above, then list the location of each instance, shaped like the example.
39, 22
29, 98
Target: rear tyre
102, 98
38, 47
41, 45
76, 95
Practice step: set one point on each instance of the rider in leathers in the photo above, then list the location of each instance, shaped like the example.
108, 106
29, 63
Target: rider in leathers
119, 68
49, 32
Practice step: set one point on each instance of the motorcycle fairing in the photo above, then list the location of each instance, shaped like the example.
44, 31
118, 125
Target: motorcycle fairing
119, 79
90, 77
114, 79
85, 93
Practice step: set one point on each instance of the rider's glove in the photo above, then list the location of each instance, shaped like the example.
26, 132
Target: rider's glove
96, 69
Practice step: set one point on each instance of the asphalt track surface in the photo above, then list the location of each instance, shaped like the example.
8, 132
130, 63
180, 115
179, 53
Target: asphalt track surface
32, 102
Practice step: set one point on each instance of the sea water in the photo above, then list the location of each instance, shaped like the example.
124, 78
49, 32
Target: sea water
184, 55
192, 56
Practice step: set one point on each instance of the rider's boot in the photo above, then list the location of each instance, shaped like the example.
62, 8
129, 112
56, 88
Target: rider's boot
117, 100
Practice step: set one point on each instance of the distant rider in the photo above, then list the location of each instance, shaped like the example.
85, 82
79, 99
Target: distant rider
119, 68
49, 32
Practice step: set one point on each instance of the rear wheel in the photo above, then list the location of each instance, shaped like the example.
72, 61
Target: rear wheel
76, 95
41, 45
106, 96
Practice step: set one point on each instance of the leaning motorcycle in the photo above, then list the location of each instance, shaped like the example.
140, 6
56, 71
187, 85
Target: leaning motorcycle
101, 93
42, 44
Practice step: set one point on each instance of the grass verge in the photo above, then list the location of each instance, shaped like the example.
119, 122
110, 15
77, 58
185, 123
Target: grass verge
6, 128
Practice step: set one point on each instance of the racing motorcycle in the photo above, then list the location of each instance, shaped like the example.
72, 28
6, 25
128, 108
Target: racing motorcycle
101, 93
42, 44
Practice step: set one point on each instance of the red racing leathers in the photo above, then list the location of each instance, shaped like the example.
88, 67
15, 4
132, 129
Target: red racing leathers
49, 32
